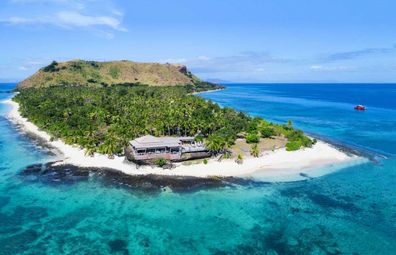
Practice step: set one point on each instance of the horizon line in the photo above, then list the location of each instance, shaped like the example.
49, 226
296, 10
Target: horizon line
289, 82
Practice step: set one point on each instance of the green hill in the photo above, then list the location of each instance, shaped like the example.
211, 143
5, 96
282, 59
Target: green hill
93, 73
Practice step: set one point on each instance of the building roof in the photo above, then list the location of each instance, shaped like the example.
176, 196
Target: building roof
150, 141
186, 138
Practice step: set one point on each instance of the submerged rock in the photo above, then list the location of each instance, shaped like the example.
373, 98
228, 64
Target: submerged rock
323, 200
51, 174
58, 174
118, 245
4, 201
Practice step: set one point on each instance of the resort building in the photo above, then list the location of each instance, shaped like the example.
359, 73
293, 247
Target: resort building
148, 148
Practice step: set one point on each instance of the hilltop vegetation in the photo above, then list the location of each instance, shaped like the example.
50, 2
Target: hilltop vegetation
103, 74
105, 119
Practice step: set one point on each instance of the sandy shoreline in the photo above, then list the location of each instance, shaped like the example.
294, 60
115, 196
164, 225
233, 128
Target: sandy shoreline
206, 91
279, 165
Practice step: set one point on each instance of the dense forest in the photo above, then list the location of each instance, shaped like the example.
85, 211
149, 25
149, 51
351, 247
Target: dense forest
105, 119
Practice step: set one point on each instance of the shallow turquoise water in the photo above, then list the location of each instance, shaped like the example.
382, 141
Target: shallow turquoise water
352, 211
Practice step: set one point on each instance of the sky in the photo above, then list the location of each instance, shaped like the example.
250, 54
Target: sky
227, 40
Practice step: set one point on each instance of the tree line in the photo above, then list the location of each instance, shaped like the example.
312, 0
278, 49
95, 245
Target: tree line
105, 119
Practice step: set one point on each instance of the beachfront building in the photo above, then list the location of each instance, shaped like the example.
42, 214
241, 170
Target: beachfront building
148, 148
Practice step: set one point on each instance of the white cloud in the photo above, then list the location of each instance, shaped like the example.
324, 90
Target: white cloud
246, 66
203, 58
35, 62
316, 67
15, 21
77, 4
174, 60
68, 14
39, 1
118, 13
69, 19
243, 62
329, 68
32, 64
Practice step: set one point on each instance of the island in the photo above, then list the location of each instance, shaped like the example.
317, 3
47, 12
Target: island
146, 118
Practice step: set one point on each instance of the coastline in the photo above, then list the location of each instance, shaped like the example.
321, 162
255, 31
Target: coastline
207, 91
273, 166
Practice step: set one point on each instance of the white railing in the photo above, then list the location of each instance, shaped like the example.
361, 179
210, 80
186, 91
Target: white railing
193, 149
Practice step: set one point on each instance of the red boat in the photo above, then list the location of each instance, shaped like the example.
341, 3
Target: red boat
360, 107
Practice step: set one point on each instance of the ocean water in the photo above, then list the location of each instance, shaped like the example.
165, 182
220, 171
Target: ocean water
352, 211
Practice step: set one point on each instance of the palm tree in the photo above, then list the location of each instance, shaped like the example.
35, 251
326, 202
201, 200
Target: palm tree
109, 147
90, 150
212, 144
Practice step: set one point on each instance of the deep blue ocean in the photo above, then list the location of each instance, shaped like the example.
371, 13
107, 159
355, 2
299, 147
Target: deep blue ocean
352, 211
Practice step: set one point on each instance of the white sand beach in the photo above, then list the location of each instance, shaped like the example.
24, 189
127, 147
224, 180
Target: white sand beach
278, 165
206, 91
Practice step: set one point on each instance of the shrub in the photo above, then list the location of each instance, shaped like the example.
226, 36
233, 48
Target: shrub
227, 155
199, 138
294, 135
255, 151
76, 66
293, 145
252, 138
215, 143
53, 67
267, 132
306, 142
114, 72
239, 159
160, 162
253, 125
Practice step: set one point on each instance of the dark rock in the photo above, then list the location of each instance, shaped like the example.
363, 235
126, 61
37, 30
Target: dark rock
328, 202
30, 213
18, 243
118, 245
305, 175
168, 166
145, 242
9, 224
324, 201
55, 174
4, 201
50, 174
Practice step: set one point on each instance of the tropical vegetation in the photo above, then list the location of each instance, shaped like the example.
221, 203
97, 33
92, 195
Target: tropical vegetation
255, 150
104, 119
239, 159
161, 162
